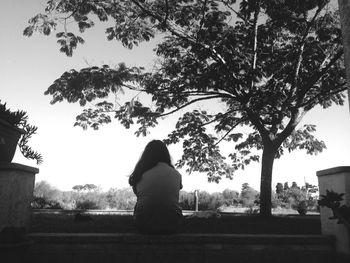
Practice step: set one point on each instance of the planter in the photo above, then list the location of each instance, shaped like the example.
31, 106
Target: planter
336, 179
16, 193
15, 252
9, 137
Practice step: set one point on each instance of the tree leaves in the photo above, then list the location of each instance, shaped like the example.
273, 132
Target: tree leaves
200, 152
205, 54
303, 139
42, 23
92, 83
68, 42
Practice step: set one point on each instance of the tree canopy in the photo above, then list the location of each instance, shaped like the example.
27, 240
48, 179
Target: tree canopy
268, 62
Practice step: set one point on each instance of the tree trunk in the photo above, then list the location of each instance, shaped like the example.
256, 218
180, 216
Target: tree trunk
268, 158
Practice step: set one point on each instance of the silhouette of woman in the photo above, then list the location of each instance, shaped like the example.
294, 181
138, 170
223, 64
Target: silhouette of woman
156, 184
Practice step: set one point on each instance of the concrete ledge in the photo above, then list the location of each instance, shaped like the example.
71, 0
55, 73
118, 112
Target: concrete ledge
19, 167
131, 238
184, 248
334, 170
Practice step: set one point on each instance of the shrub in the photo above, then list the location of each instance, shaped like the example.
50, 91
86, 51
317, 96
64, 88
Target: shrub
301, 207
86, 204
123, 199
252, 210
186, 200
43, 203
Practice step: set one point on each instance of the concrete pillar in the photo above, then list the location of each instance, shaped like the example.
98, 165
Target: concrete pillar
16, 193
344, 9
338, 180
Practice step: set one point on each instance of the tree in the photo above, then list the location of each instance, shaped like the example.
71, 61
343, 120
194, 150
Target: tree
267, 62
295, 185
249, 195
230, 196
45, 190
90, 187
121, 198
296, 197
279, 188
78, 188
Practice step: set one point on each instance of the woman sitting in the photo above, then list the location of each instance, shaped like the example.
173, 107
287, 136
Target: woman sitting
156, 184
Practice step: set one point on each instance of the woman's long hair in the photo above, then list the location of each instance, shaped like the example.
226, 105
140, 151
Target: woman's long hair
155, 152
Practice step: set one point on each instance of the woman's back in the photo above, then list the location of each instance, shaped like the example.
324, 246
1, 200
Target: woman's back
157, 209
162, 181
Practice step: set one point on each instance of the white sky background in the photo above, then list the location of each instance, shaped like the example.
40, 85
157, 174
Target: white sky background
106, 157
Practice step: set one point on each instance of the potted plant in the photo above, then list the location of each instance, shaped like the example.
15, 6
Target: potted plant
15, 130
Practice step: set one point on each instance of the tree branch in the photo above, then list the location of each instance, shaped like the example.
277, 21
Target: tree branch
317, 76
202, 20
293, 122
311, 101
237, 13
166, 11
229, 131
181, 36
255, 43
300, 54
196, 93
255, 120
187, 104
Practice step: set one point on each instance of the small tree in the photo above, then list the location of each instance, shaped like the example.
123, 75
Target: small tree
295, 185
230, 196
279, 188
267, 62
285, 186
45, 190
249, 196
78, 188
90, 187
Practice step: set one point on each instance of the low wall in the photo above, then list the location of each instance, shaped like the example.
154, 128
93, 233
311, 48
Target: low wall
108, 248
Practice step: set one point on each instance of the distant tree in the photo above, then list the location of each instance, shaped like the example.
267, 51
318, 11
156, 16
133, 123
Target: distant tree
45, 190
285, 186
279, 188
230, 196
267, 62
122, 199
86, 204
68, 200
43, 203
217, 200
276, 200
293, 197
90, 187
249, 196
186, 200
78, 188
295, 185
204, 200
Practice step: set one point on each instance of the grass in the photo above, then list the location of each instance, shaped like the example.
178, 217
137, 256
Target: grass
226, 223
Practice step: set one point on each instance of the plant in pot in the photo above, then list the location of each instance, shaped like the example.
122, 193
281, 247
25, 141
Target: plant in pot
15, 130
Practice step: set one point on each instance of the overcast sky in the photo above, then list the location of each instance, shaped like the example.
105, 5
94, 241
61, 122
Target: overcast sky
106, 157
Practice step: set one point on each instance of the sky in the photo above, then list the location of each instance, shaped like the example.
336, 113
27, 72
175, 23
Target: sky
28, 66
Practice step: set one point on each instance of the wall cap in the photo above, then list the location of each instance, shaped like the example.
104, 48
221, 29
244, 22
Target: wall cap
334, 170
16, 166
